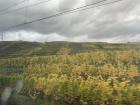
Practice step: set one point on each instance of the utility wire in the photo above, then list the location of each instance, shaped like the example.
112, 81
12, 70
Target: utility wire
86, 7
6, 9
60, 13
28, 6
91, 7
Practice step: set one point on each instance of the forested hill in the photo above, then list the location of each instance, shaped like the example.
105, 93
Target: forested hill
20, 48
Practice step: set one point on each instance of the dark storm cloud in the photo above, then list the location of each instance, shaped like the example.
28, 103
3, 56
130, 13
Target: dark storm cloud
112, 21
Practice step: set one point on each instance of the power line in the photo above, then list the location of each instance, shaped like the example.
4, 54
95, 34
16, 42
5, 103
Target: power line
59, 13
86, 7
5, 9
108, 3
28, 6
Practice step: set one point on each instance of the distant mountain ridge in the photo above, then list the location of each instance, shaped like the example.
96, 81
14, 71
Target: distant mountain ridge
10, 49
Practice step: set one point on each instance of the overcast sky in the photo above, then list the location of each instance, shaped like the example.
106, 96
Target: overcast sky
118, 22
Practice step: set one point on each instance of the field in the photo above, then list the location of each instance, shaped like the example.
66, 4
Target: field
64, 73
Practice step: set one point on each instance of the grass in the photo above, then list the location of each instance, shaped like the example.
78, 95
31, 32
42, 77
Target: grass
24, 49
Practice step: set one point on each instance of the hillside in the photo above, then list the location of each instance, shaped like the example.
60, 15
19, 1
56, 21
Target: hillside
20, 48
60, 73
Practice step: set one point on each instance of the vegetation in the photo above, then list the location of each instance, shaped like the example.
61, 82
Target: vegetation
31, 49
101, 77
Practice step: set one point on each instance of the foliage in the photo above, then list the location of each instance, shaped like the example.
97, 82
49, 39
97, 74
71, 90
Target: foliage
93, 78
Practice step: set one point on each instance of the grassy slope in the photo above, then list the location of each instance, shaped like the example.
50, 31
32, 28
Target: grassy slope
20, 48
14, 49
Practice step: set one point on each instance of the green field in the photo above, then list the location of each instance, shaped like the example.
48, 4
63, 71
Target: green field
65, 73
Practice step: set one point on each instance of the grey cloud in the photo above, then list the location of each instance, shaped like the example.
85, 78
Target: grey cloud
67, 4
99, 23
